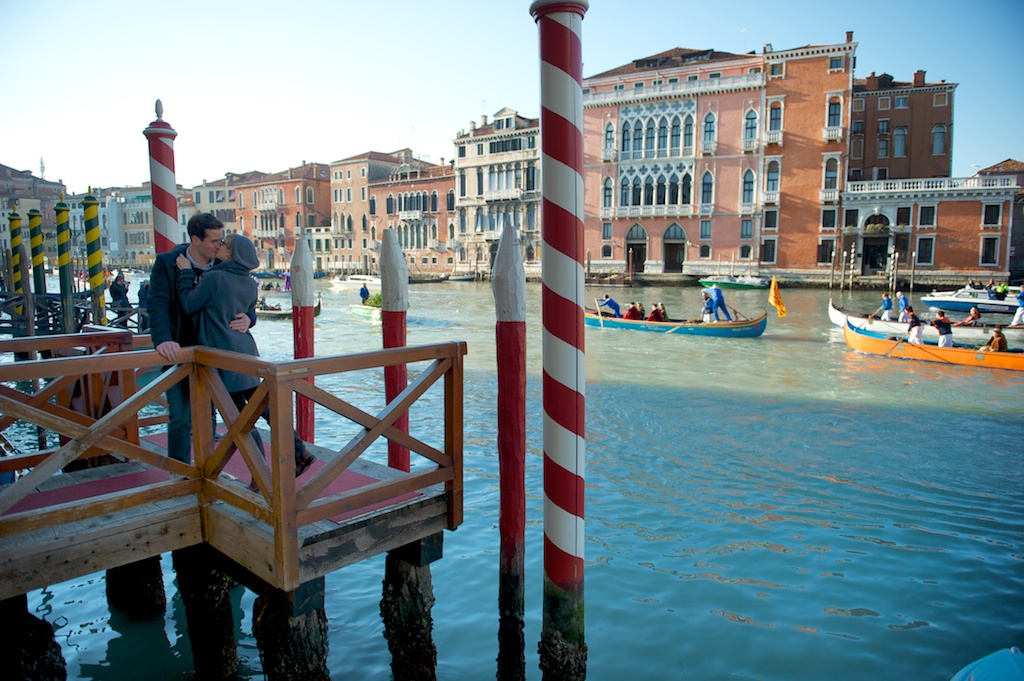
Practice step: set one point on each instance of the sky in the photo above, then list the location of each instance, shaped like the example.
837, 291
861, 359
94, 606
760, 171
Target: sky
259, 85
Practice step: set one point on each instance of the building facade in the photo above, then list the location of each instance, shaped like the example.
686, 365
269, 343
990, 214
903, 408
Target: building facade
220, 197
20, 192
497, 183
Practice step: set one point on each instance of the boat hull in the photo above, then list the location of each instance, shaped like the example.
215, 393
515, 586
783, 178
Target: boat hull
285, 313
749, 283
900, 349
964, 299
964, 335
750, 328
366, 313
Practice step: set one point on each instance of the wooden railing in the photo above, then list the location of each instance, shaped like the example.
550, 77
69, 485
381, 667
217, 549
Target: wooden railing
281, 504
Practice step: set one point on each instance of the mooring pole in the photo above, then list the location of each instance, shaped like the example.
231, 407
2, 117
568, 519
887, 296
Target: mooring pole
16, 284
94, 252
303, 323
67, 292
563, 648
509, 282
35, 234
394, 291
164, 188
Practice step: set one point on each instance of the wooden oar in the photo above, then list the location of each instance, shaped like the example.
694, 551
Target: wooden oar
898, 342
600, 315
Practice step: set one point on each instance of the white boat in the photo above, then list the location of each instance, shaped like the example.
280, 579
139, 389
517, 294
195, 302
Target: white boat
962, 300
366, 313
356, 281
964, 335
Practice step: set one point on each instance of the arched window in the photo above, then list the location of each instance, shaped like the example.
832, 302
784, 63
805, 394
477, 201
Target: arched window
389, 205
373, 205
831, 173
674, 137
636, 200
280, 221
450, 202
626, 138
775, 117
748, 187
835, 113
609, 136
662, 137
298, 219
636, 233
310, 220
899, 142
606, 251
674, 233
433, 202
745, 252
298, 196
348, 221
938, 140
771, 183
649, 142
624, 194
688, 133
673, 190
366, 223
659, 193
309, 195
705, 251
608, 193
707, 187
649, 191
750, 125
686, 190
638, 140
709, 128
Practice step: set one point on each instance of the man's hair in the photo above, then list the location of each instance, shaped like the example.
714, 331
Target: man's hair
200, 222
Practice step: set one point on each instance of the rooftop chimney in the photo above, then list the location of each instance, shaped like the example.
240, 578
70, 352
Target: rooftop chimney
919, 78
483, 120
872, 81
849, 36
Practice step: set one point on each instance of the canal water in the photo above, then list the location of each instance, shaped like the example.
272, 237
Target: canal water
777, 508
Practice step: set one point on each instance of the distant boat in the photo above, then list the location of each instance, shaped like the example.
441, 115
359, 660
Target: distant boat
746, 328
286, 312
355, 281
966, 335
898, 348
366, 313
731, 282
962, 300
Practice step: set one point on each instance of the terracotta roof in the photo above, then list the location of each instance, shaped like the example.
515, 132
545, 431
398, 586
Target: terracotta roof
371, 156
674, 58
1007, 167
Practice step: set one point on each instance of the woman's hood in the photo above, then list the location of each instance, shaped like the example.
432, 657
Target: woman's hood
244, 252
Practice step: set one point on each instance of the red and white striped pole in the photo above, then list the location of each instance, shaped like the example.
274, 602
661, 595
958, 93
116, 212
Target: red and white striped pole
563, 648
303, 316
509, 278
394, 293
163, 186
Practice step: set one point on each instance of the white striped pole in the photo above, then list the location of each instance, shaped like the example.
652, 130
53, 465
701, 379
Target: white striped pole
563, 648
163, 186
394, 292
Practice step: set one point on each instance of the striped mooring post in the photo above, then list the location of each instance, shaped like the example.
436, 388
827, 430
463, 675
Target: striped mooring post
17, 286
35, 235
94, 253
394, 292
66, 276
563, 648
161, 136
303, 328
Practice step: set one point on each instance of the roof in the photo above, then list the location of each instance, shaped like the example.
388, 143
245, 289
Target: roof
371, 156
1007, 167
669, 59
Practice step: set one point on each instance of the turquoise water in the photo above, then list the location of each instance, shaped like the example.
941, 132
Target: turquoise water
777, 508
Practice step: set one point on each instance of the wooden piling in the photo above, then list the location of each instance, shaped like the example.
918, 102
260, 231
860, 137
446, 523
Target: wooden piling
205, 593
27, 644
291, 631
137, 589
405, 608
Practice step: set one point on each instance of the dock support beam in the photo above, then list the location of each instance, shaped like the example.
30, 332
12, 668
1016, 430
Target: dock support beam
405, 607
291, 632
27, 644
206, 594
137, 589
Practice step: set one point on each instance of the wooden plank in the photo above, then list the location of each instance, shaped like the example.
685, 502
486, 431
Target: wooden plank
283, 498
371, 494
244, 540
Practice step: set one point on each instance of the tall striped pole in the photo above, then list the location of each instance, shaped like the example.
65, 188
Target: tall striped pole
394, 293
563, 648
303, 322
94, 253
35, 235
17, 286
67, 293
161, 172
509, 280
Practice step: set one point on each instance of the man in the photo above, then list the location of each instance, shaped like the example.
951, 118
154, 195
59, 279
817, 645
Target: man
1018, 316
971, 319
172, 330
944, 326
612, 305
886, 308
364, 293
997, 343
904, 303
914, 328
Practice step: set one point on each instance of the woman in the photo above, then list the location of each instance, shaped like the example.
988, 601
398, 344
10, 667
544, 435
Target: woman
223, 290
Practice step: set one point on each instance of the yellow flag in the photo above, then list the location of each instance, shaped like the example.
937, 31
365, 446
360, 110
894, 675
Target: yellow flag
774, 299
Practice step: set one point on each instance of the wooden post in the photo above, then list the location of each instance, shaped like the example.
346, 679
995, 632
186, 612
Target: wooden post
832, 269
394, 292
291, 631
303, 324
405, 608
16, 285
563, 648
35, 235
137, 589
27, 644
509, 281
67, 293
205, 593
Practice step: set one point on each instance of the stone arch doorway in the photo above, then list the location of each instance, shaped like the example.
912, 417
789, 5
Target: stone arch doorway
674, 242
875, 245
636, 249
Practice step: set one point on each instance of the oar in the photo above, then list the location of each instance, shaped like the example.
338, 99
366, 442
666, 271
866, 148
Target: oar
898, 342
600, 315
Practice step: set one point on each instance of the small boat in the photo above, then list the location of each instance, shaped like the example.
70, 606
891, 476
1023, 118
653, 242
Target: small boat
356, 281
285, 313
745, 328
964, 335
1003, 665
462, 277
899, 348
731, 282
366, 313
962, 300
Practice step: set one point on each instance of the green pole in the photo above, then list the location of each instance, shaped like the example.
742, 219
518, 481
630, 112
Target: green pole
94, 250
35, 232
67, 293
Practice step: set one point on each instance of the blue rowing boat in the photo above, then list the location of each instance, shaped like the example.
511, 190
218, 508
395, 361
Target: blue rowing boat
746, 328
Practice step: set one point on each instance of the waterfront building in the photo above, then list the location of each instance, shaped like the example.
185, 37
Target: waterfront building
131, 239
274, 209
497, 183
1015, 169
111, 219
219, 197
20, 192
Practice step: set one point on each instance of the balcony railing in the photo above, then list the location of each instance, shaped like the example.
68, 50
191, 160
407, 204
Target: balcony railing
686, 88
707, 208
771, 197
410, 215
832, 133
931, 184
708, 146
774, 137
267, 205
829, 195
750, 144
503, 194
608, 154
669, 210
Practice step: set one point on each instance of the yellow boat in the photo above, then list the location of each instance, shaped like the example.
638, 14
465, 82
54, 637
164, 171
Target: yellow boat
899, 348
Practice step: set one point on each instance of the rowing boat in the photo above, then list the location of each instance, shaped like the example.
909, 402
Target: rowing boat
899, 348
746, 328
285, 313
730, 282
366, 313
964, 335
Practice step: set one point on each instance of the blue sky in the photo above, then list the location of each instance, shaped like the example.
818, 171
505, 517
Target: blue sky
260, 85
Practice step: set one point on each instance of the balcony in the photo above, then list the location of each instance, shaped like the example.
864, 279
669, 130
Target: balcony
747, 208
707, 208
410, 215
750, 144
774, 137
771, 197
267, 205
503, 194
829, 195
936, 184
707, 147
663, 210
832, 133
607, 213
608, 154
688, 88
